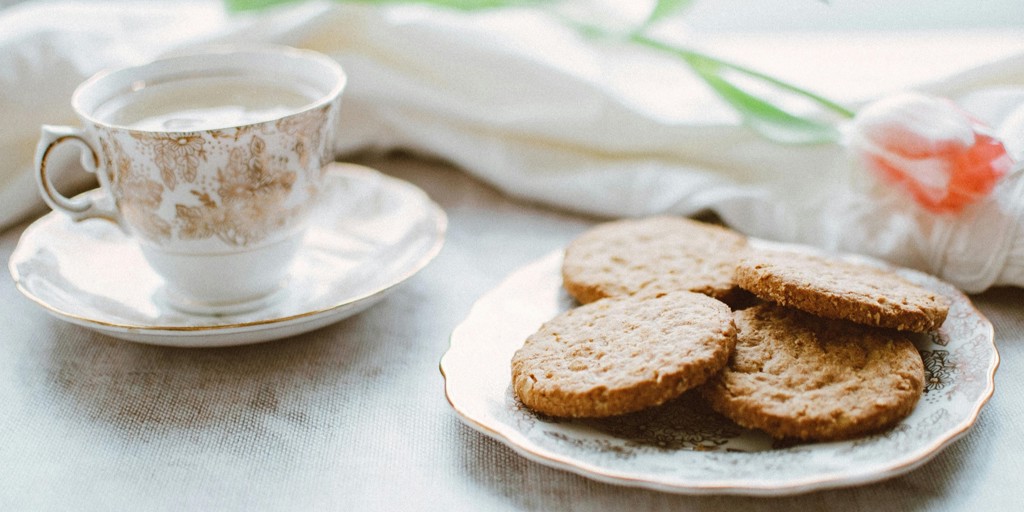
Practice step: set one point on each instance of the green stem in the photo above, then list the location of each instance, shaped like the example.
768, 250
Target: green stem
695, 58
759, 113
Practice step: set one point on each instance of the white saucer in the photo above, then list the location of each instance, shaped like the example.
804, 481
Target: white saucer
373, 233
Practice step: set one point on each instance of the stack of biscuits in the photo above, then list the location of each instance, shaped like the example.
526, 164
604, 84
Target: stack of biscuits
800, 346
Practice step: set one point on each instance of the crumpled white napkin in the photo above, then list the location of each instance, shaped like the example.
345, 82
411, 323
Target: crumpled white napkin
522, 102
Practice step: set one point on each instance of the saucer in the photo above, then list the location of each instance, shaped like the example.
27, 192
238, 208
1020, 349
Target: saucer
372, 233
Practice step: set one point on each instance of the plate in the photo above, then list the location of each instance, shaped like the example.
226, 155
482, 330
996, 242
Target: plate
683, 446
372, 233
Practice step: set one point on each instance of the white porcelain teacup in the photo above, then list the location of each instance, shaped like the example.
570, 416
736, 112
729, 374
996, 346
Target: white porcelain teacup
212, 161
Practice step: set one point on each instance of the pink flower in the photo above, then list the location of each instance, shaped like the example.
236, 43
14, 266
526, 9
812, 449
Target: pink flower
930, 148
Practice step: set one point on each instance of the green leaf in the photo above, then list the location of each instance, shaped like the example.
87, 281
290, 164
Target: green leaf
665, 8
764, 117
462, 5
821, 101
251, 5
758, 113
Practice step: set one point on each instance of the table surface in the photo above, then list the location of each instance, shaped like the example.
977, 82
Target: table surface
354, 415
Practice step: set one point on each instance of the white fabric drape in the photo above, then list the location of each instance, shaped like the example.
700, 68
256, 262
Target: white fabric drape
524, 103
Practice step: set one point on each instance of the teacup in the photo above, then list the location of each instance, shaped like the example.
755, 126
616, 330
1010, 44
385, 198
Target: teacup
212, 162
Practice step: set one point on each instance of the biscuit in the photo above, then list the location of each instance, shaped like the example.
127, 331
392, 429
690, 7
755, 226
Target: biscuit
652, 256
621, 355
794, 375
832, 288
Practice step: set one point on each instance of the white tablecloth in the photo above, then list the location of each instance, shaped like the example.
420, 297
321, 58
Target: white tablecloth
353, 416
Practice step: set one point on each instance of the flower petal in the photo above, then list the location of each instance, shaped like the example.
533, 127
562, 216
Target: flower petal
927, 146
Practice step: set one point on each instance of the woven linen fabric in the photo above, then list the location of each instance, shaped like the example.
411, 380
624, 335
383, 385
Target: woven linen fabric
353, 416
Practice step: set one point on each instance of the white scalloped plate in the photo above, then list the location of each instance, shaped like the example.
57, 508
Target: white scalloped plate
683, 446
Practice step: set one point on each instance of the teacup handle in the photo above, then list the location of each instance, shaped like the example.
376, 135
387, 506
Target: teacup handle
79, 208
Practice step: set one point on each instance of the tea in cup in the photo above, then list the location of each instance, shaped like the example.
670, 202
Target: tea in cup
212, 162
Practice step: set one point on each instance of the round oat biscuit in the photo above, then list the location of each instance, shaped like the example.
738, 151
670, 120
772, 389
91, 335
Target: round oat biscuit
833, 288
652, 256
795, 375
622, 354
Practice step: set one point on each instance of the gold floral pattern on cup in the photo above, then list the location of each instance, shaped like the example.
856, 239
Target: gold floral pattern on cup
138, 195
176, 154
255, 191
